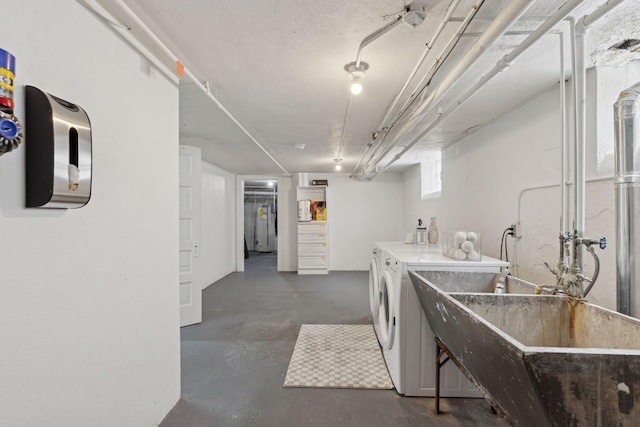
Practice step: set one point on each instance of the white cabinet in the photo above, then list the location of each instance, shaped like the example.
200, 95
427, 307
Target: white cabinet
313, 236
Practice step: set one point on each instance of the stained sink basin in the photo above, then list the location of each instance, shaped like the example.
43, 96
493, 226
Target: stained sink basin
479, 282
542, 359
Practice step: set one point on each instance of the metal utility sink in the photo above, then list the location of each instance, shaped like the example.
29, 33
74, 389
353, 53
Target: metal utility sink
479, 282
541, 359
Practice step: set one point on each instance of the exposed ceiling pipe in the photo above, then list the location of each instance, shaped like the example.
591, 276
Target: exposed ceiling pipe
442, 57
373, 36
445, 20
356, 65
440, 60
141, 26
124, 32
344, 128
503, 63
503, 21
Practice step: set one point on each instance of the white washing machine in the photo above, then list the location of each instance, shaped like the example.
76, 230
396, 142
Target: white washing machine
407, 342
375, 271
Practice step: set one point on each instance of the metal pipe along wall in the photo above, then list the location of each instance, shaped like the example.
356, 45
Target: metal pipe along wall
627, 189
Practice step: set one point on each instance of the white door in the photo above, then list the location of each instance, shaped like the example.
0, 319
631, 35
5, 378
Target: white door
190, 287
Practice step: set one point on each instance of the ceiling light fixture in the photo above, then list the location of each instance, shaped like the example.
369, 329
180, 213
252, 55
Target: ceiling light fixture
338, 165
356, 74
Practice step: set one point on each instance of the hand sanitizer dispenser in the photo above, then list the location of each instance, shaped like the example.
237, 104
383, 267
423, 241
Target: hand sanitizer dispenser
58, 153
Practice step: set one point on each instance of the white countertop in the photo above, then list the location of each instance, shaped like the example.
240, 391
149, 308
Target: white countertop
432, 255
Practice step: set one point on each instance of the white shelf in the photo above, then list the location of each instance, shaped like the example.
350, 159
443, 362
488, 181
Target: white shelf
313, 236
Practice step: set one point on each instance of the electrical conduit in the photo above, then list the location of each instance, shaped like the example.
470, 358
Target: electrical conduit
141, 26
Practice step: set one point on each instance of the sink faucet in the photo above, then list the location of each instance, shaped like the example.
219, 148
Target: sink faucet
502, 279
571, 280
562, 268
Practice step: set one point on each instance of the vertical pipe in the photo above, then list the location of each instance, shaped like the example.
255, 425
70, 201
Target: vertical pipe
563, 138
579, 94
627, 190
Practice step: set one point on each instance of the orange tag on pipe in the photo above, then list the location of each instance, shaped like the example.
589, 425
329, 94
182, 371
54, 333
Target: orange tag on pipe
180, 69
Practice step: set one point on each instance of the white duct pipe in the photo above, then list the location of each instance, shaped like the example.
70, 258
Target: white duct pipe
503, 21
142, 27
501, 65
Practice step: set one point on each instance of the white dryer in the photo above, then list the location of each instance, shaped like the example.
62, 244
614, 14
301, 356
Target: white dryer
407, 342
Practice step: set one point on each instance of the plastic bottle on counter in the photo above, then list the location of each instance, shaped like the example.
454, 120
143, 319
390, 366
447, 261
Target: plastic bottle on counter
432, 232
421, 233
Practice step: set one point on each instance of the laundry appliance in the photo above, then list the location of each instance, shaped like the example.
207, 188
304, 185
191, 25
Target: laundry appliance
375, 271
407, 342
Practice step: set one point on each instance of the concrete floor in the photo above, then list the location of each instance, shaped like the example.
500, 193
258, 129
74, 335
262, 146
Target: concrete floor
234, 362
261, 261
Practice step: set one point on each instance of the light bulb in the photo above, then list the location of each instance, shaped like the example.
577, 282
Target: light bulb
356, 86
338, 167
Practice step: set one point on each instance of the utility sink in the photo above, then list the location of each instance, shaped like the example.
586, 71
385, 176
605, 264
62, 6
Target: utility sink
541, 359
479, 282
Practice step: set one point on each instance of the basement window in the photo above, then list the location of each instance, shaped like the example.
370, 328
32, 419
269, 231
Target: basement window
431, 175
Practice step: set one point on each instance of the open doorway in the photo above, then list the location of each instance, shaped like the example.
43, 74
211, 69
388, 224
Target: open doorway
261, 225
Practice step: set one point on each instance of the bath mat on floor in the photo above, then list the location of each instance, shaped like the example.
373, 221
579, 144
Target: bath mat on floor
337, 356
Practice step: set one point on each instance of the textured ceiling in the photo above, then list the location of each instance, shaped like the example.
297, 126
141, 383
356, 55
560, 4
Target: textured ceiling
277, 66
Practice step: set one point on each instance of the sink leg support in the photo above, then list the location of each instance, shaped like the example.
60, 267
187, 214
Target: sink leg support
442, 350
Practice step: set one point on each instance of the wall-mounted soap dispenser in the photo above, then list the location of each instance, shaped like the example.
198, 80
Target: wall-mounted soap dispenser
58, 152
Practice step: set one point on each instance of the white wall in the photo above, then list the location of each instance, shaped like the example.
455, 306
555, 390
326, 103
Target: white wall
360, 213
287, 223
89, 306
484, 174
218, 240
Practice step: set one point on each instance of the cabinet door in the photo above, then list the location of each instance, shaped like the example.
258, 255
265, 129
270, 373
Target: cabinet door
318, 249
312, 262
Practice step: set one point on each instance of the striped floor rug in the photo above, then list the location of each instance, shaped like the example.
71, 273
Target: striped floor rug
337, 356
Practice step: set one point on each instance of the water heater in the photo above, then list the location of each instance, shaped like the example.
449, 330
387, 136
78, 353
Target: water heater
58, 153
